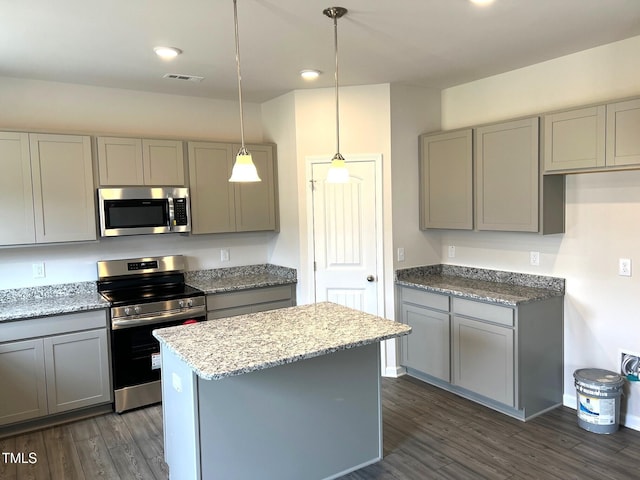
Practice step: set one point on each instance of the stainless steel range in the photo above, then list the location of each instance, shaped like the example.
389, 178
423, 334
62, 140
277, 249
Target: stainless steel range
145, 294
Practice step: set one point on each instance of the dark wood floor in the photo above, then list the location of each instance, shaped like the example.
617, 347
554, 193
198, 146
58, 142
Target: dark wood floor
428, 433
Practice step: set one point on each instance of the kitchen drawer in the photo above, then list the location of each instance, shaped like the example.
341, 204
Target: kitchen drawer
484, 311
216, 301
425, 299
54, 325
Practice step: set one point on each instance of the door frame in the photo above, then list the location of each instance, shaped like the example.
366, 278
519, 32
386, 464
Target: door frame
351, 158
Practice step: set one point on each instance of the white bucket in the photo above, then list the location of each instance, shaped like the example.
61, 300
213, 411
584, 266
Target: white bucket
598, 395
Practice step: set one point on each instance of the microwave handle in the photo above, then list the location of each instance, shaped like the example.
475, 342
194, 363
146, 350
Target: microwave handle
172, 217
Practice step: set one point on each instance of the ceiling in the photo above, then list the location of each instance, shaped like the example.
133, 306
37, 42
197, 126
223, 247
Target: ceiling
433, 43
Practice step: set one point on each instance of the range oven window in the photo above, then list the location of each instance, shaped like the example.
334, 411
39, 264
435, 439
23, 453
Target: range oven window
132, 350
136, 213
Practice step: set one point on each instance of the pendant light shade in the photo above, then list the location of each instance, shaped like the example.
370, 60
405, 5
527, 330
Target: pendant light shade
338, 172
243, 169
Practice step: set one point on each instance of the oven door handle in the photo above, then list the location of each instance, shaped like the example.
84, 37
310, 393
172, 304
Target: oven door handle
164, 317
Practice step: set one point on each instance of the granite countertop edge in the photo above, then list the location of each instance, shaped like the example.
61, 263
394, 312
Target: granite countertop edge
283, 361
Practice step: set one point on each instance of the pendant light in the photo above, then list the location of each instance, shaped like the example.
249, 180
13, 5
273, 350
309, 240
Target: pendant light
338, 172
243, 170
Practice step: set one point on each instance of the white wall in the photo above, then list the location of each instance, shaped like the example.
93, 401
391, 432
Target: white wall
414, 110
33, 105
602, 209
310, 114
279, 120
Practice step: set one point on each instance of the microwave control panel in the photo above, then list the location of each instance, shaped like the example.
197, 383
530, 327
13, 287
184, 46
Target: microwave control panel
180, 211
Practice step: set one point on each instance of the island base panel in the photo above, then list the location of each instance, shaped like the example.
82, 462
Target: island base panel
318, 418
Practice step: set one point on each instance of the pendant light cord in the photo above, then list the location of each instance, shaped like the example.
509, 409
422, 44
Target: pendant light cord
235, 20
335, 37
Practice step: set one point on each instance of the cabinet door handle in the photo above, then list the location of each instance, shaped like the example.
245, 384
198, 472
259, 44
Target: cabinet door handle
371, 278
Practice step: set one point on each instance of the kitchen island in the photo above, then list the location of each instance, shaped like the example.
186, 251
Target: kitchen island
286, 394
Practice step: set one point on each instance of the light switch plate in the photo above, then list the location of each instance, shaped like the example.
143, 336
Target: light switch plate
225, 254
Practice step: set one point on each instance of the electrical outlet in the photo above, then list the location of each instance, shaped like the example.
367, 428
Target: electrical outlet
534, 258
224, 255
630, 365
452, 251
624, 267
38, 270
401, 254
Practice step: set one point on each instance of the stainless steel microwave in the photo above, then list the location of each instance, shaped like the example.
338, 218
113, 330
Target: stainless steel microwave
143, 210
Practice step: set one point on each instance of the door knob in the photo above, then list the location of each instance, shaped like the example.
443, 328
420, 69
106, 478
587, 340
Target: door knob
370, 278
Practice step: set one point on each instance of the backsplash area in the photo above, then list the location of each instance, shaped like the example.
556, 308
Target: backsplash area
72, 263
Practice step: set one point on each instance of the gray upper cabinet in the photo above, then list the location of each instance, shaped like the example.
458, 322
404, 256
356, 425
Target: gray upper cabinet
574, 139
592, 139
623, 133
63, 193
256, 203
507, 174
212, 196
446, 180
16, 189
134, 161
218, 206
48, 181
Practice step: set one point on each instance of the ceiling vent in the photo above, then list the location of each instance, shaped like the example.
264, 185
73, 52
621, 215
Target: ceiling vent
180, 76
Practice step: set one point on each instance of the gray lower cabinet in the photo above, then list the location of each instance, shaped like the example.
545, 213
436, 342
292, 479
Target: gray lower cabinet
23, 394
507, 358
483, 358
63, 366
230, 304
427, 348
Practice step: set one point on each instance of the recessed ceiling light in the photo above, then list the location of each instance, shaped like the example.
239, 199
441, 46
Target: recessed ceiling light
482, 2
167, 53
309, 74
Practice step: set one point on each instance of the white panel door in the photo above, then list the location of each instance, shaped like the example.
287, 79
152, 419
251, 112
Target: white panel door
345, 237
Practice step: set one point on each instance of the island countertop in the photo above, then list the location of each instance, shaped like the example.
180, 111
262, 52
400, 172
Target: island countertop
226, 347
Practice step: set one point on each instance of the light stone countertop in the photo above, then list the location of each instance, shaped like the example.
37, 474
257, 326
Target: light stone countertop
233, 279
33, 302
494, 286
226, 347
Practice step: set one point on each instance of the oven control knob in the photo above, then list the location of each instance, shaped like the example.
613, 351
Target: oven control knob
136, 309
190, 302
181, 303
127, 311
